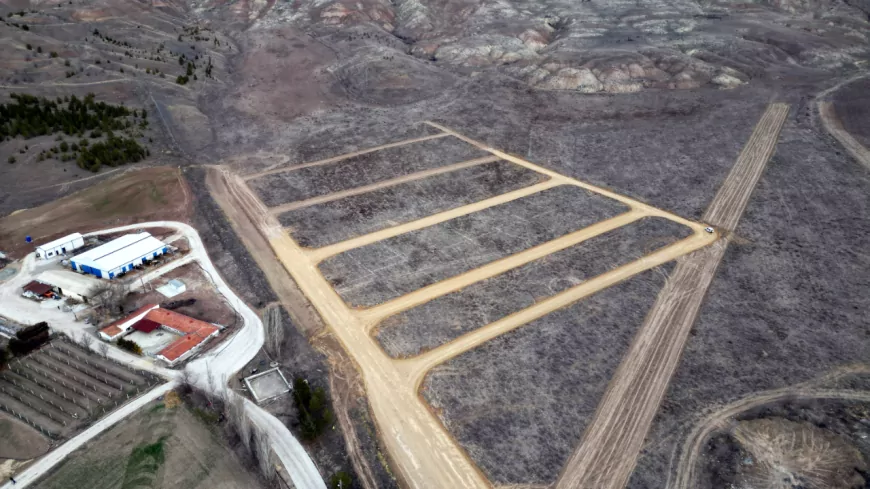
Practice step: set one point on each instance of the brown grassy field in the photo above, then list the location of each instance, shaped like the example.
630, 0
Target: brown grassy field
136, 195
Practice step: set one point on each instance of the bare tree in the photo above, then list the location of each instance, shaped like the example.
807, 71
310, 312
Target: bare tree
238, 418
274, 331
186, 381
103, 348
262, 450
110, 296
86, 340
209, 378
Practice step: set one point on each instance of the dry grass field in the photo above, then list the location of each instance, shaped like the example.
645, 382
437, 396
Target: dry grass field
160, 447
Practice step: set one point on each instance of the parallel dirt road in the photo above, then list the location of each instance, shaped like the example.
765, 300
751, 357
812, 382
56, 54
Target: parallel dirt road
424, 454
608, 452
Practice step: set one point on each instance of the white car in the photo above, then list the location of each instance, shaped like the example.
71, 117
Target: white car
709, 229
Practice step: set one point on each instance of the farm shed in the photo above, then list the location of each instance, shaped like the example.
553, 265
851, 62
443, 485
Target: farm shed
119, 255
60, 246
69, 284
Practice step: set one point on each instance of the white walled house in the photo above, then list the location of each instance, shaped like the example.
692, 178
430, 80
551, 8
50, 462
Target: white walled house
119, 255
60, 246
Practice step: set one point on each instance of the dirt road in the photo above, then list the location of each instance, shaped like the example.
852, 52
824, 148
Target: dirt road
685, 473
280, 169
835, 128
412, 177
424, 455
608, 452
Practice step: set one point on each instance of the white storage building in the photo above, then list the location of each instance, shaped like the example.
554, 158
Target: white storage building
60, 246
119, 255
69, 284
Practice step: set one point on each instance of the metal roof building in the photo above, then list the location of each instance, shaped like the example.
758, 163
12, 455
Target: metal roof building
119, 255
60, 246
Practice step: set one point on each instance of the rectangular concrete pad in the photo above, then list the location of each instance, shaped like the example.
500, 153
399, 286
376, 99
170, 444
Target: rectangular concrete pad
385, 270
446, 318
267, 386
329, 223
520, 403
365, 169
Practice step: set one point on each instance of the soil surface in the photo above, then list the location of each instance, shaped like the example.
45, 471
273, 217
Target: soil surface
20, 441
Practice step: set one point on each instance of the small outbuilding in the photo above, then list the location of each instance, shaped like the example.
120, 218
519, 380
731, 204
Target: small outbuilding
119, 255
69, 284
60, 246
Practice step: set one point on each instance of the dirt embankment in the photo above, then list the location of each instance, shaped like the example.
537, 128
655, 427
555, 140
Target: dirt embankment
138, 195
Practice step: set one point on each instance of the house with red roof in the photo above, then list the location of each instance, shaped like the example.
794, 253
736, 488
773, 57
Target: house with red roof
192, 333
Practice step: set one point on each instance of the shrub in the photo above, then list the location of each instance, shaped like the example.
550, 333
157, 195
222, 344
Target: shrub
53, 54
11, 160
130, 346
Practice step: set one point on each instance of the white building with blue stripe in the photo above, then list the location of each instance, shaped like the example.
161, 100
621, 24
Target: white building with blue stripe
119, 255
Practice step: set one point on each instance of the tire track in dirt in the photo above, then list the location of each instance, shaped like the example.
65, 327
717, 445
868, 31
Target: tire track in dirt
608, 451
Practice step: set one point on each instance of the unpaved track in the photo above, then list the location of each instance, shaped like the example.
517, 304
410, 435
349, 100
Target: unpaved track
327, 161
686, 474
608, 452
413, 177
835, 128
423, 453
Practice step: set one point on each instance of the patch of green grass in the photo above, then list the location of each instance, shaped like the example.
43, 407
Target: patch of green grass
143, 464
156, 408
207, 417
156, 194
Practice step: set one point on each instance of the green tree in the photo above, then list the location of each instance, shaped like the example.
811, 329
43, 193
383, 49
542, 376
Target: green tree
340, 480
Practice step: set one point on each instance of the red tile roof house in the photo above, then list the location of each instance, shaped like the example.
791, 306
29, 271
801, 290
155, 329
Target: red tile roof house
194, 333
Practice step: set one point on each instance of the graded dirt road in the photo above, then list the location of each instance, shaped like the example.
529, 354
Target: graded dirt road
608, 452
424, 454
835, 128
278, 210
270, 171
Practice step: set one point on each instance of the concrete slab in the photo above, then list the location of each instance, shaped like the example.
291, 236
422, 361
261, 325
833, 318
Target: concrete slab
267, 385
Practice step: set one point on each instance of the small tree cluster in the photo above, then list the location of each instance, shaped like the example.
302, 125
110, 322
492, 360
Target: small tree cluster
314, 413
130, 346
29, 339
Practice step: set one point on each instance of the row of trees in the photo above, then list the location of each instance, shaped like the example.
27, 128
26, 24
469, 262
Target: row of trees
31, 116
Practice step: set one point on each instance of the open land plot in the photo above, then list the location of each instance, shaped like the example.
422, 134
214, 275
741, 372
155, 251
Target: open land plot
60, 387
518, 404
388, 269
335, 221
320, 179
328, 143
20, 441
447, 317
788, 302
670, 150
160, 448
